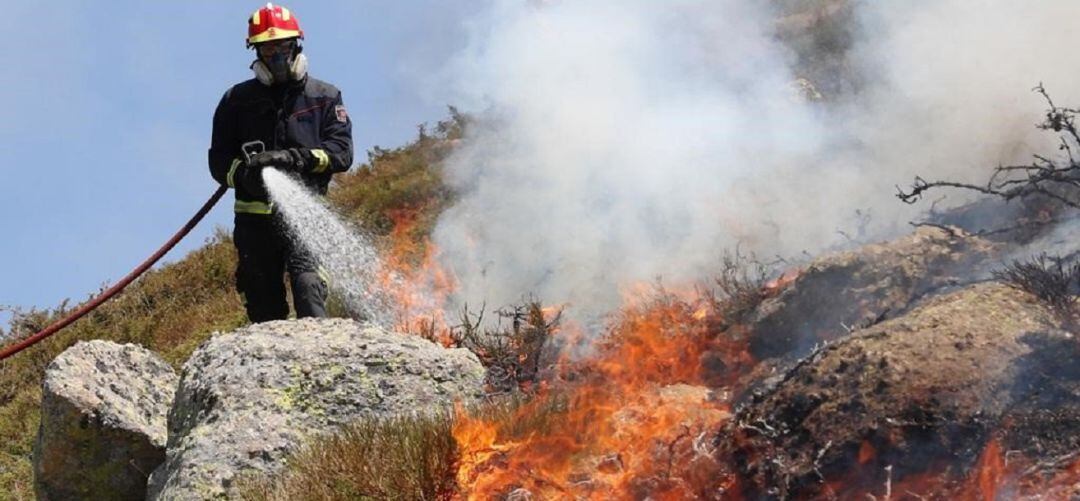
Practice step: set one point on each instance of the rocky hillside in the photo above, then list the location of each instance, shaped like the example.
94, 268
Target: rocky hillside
885, 365
936, 364
171, 310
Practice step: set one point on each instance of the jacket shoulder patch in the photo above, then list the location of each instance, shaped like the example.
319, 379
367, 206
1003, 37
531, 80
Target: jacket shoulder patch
342, 115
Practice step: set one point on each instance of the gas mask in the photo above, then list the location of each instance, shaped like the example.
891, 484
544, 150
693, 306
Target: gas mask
279, 62
279, 65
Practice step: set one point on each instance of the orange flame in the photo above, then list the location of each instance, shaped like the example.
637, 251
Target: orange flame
989, 473
415, 280
866, 452
638, 421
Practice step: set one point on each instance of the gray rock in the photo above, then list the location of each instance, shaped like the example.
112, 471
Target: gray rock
248, 398
102, 430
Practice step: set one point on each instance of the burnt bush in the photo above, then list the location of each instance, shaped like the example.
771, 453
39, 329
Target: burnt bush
512, 349
1040, 194
1051, 279
740, 285
1055, 178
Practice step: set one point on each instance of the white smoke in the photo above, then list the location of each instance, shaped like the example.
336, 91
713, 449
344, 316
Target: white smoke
622, 140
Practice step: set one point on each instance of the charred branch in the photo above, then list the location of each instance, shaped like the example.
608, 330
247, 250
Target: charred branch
951, 231
671, 449
1026, 225
1057, 179
862, 224
1020, 231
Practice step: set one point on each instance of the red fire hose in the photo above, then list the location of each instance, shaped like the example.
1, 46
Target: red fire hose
119, 286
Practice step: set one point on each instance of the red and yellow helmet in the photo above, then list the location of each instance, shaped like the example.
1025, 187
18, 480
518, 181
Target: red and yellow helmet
273, 22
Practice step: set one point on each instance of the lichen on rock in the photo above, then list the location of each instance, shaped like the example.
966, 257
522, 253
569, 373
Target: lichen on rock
102, 422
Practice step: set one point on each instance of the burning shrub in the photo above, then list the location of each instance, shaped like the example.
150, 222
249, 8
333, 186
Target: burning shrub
636, 418
399, 193
1047, 278
740, 285
512, 351
405, 458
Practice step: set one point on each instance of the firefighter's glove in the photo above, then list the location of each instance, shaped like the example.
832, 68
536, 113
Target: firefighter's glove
250, 179
290, 160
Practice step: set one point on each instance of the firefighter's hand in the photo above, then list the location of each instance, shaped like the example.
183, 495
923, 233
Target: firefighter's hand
290, 160
250, 179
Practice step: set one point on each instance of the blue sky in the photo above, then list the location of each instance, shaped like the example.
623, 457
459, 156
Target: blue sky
107, 109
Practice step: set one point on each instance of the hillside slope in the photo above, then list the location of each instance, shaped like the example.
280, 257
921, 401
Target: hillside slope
396, 195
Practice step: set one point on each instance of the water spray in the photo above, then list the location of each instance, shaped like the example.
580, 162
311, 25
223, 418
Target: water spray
346, 255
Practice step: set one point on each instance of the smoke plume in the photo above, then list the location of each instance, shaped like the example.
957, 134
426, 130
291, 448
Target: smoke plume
619, 141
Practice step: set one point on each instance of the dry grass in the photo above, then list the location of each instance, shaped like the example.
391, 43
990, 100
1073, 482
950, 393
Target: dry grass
403, 458
414, 458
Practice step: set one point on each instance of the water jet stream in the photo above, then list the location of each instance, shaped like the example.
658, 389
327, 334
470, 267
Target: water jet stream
346, 254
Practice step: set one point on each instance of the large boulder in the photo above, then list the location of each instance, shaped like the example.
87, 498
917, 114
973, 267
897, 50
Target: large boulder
926, 387
843, 291
248, 398
102, 430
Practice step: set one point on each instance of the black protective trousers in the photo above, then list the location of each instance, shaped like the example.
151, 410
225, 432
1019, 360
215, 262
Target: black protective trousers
266, 252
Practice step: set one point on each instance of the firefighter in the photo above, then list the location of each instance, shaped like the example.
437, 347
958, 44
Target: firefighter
306, 132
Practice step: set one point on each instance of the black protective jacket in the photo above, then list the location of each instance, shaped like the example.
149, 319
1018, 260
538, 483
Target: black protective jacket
307, 114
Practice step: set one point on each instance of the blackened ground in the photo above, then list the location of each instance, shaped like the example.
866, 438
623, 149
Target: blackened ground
1010, 222
1044, 421
922, 390
845, 291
